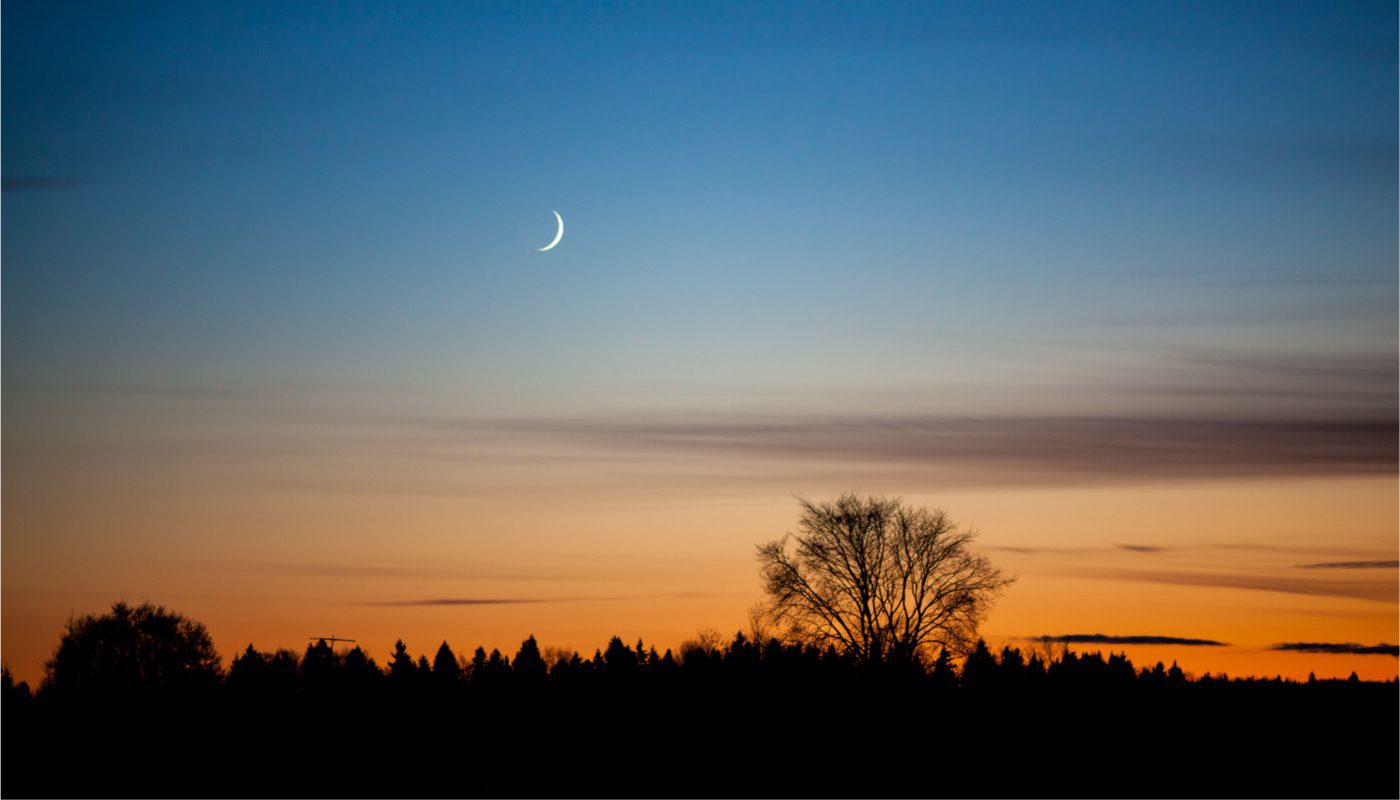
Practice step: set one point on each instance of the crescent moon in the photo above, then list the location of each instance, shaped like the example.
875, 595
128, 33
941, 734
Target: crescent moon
557, 236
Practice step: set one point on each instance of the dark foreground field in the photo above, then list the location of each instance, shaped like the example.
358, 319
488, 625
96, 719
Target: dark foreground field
743, 739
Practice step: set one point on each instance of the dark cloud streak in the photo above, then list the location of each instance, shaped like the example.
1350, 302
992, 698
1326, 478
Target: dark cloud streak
1352, 565
1003, 449
1319, 279
1100, 638
352, 571
1040, 551
39, 183
1380, 591
478, 601
1339, 648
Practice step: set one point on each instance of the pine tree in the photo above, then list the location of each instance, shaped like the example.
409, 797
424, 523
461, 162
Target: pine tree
1175, 676
619, 658
401, 668
943, 675
446, 670
980, 668
497, 664
319, 665
528, 661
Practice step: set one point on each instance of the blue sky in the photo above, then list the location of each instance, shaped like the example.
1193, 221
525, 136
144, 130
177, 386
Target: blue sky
765, 202
1112, 282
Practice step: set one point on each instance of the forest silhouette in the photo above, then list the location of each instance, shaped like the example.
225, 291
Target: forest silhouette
127, 710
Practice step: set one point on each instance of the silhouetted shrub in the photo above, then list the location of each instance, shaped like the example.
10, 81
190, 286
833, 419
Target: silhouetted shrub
130, 651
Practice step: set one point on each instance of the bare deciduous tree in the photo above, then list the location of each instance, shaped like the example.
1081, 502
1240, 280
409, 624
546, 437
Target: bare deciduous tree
878, 580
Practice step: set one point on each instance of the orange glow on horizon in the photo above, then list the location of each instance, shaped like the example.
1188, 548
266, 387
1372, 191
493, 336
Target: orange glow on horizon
665, 564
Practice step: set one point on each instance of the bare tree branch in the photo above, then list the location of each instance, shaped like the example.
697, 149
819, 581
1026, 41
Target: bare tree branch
878, 580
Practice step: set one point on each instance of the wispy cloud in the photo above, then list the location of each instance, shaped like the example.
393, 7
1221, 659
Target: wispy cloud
38, 183
1348, 384
1040, 551
1343, 367
490, 601
1101, 638
1349, 428
1004, 449
1391, 564
481, 601
1187, 547
353, 571
628, 573
151, 391
1313, 279
1051, 550
1339, 648
1377, 590
359, 571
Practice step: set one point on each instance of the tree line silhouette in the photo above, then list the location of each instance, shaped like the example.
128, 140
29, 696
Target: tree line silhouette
135, 704
284, 673
862, 674
101, 671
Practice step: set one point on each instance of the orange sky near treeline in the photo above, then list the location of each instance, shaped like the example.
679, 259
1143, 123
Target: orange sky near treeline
281, 354
1207, 559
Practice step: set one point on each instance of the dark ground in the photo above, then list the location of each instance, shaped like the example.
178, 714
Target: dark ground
1327, 740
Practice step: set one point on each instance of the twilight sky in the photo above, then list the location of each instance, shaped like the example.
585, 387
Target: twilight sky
1113, 283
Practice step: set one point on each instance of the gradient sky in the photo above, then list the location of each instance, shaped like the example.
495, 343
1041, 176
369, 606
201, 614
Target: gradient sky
1115, 283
